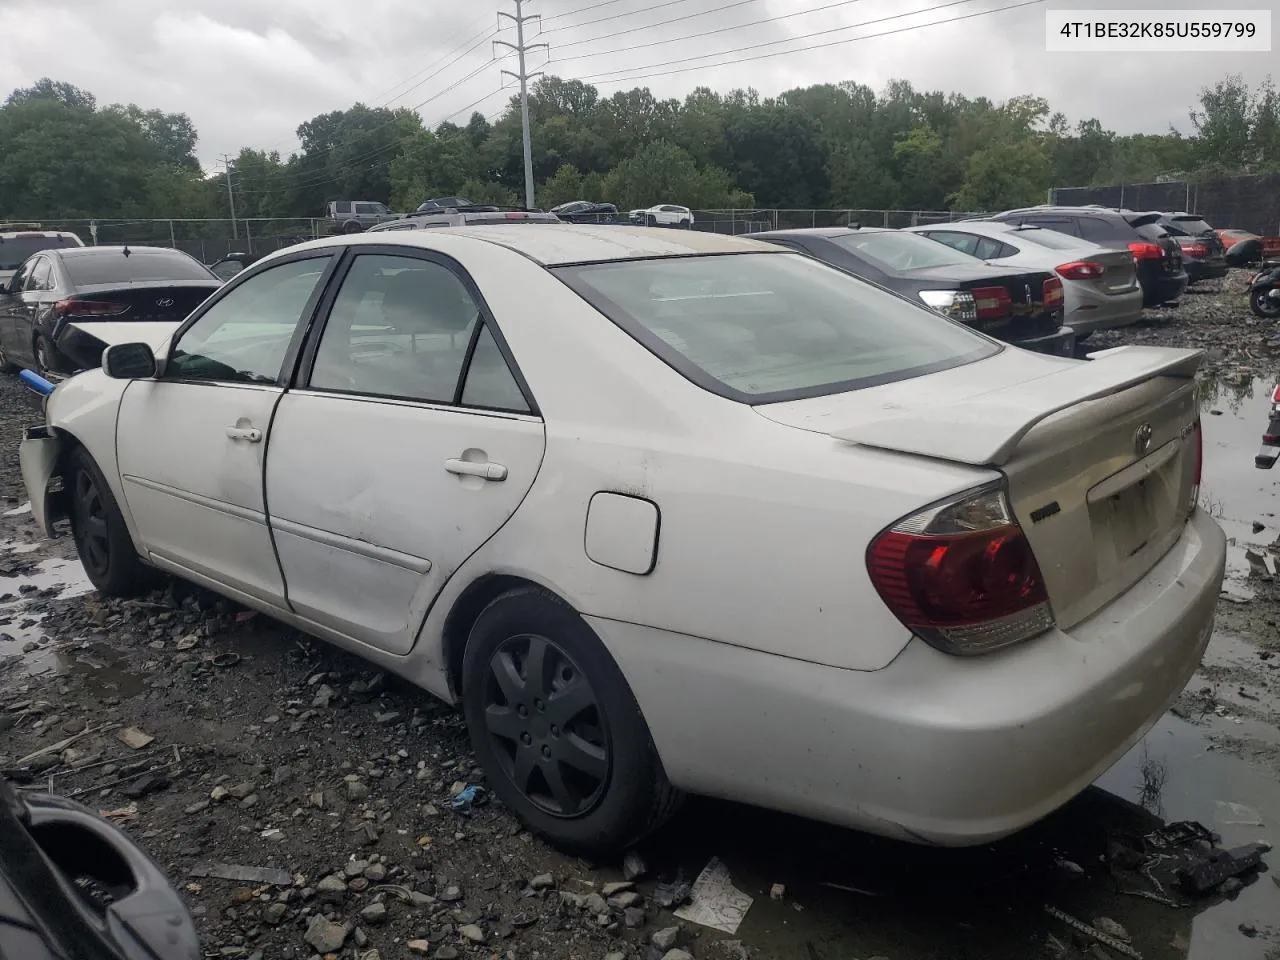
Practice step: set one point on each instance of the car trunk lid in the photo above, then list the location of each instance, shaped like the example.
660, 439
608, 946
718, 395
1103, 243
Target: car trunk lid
1029, 317
1119, 273
140, 302
1101, 458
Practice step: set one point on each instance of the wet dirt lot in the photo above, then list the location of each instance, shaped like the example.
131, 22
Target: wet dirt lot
272, 750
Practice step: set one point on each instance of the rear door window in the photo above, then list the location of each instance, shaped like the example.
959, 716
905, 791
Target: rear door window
988, 249
1097, 230
41, 276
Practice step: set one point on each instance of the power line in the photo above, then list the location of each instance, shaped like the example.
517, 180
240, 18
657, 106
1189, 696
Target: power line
452, 37
629, 13
594, 6
599, 78
691, 36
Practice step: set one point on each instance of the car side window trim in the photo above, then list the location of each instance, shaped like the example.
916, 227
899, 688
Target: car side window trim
289, 364
324, 311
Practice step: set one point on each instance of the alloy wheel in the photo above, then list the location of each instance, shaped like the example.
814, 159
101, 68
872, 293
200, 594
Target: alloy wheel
546, 726
91, 525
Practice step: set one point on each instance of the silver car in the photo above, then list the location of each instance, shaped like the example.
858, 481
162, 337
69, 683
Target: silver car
1100, 285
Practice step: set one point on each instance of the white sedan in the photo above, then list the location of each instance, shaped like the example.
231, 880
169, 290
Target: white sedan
667, 513
664, 215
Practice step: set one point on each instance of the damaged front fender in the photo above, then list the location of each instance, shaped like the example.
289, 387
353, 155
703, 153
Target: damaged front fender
38, 457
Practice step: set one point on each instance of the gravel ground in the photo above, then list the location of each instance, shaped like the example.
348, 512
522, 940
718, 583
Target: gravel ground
267, 749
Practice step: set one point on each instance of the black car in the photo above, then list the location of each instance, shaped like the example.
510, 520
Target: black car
1023, 308
63, 307
453, 205
74, 887
584, 211
1203, 254
1158, 258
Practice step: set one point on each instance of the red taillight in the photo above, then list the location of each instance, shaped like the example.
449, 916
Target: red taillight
1275, 394
992, 302
1081, 270
1146, 251
1195, 250
89, 308
962, 575
1052, 292
517, 216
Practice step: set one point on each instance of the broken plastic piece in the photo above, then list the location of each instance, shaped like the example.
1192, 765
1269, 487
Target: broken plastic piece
243, 874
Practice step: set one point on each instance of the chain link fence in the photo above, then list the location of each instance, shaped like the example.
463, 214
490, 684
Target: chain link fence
206, 240
209, 240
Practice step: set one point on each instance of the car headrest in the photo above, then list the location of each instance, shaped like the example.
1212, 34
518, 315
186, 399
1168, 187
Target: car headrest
427, 300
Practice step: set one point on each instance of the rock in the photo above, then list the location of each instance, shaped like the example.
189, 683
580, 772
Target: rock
219, 793
375, 872
777, 892
374, 914
241, 790
358, 885
677, 955
628, 898
274, 914
447, 953
325, 936
368, 833
331, 889
353, 868
575, 900
74, 725
1231, 886
200, 806
595, 904
609, 889
633, 917
419, 946
420, 900
633, 866
370, 955
324, 695
1112, 929
1248, 929
665, 938
543, 881
356, 790
470, 931
1258, 526
729, 950
615, 956
450, 895
145, 785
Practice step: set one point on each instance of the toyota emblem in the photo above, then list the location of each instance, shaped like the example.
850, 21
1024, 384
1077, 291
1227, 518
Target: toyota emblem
1142, 439
164, 302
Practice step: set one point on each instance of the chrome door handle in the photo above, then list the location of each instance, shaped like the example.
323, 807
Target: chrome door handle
469, 468
249, 434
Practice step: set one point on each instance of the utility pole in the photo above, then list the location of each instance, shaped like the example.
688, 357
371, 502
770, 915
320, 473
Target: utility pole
231, 197
521, 48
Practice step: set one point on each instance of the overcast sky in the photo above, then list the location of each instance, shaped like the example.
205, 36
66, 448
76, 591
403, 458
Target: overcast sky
249, 71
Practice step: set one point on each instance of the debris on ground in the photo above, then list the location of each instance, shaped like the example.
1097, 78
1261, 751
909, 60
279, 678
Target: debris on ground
716, 902
243, 874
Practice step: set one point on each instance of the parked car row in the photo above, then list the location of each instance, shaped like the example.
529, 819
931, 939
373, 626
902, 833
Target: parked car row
555, 436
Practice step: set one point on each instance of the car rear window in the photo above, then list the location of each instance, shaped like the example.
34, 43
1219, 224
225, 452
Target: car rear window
13, 250
767, 327
1050, 239
1192, 226
894, 250
1152, 231
114, 267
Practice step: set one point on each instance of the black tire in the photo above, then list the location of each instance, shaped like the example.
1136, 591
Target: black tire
1265, 307
1082, 337
686, 224
612, 790
102, 540
352, 226
650, 220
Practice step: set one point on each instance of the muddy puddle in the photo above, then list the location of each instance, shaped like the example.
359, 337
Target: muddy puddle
25, 598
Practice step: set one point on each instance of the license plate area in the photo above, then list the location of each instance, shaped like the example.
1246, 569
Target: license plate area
1134, 510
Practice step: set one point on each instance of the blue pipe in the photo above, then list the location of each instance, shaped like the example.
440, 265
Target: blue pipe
36, 382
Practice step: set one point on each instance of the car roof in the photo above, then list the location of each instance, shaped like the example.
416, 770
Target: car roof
556, 244
116, 250
12, 234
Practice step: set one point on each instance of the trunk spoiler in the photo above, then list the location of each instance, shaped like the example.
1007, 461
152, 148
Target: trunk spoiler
984, 430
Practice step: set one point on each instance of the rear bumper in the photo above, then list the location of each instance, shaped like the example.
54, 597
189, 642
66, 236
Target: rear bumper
932, 748
1098, 311
1198, 270
1161, 288
1060, 343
